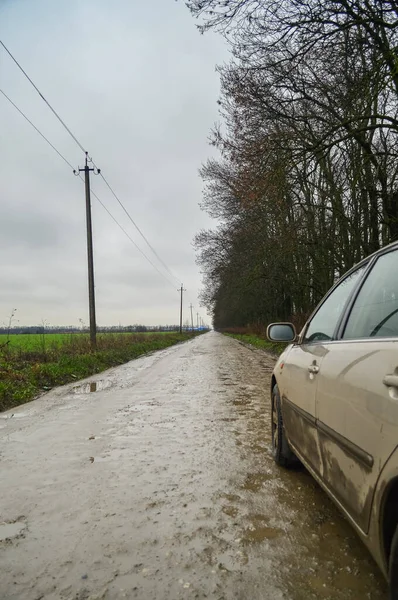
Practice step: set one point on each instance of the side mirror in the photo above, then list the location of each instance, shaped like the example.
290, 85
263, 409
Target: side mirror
281, 332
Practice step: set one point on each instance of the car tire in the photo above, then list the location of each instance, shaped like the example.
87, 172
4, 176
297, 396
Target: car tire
393, 567
281, 451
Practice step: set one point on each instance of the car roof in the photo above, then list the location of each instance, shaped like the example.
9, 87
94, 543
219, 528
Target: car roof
392, 246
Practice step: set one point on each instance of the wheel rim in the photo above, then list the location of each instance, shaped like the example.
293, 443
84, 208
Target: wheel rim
275, 425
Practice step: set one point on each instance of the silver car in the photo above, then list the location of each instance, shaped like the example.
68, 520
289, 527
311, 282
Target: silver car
334, 397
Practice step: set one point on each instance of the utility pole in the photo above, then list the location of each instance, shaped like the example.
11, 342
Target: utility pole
197, 320
191, 307
90, 256
181, 290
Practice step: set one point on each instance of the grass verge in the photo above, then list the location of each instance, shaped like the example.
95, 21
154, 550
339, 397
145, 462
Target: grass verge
24, 374
275, 348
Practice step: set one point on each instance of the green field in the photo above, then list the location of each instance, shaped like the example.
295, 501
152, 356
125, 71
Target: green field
34, 341
38, 341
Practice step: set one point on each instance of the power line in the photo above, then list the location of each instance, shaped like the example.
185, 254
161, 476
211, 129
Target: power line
42, 97
94, 194
38, 131
82, 148
138, 229
131, 239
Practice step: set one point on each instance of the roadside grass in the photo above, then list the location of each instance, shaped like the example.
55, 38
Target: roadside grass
275, 348
26, 371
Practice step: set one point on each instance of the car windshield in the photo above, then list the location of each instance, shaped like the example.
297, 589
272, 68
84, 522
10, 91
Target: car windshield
324, 323
375, 311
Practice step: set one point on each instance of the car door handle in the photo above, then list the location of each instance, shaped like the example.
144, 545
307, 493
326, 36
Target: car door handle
313, 369
391, 381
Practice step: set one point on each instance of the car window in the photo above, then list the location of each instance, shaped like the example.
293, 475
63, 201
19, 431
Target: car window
375, 311
323, 324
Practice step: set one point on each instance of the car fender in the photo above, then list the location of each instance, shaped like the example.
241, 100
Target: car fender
388, 475
278, 372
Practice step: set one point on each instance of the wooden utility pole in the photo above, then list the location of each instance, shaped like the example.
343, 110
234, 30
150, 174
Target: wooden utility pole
90, 255
181, 290
191, 307
197, 320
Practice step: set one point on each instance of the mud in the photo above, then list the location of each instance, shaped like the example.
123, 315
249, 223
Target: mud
161, 485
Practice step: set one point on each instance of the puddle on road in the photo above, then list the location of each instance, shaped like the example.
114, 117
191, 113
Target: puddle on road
260, 534
11, 530
17, 415
231, 511
255, 481
260, 530
241, 402
92, 386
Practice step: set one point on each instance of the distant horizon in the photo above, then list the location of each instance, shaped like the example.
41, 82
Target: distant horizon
48, 328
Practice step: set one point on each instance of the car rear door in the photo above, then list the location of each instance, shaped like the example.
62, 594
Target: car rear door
301, 368
357, 392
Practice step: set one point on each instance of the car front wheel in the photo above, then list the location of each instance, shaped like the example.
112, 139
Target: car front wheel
281, 451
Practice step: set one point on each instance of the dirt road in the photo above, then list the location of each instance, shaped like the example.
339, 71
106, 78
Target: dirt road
156, 482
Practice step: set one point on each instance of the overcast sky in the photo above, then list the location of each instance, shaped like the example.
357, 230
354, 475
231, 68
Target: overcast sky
136, 83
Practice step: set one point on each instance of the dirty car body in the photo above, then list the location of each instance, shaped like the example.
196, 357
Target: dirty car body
335, 401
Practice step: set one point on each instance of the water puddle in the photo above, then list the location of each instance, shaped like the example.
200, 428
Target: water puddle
255, 481
17, 415
92, 386
231, 511
11, 530
261, 533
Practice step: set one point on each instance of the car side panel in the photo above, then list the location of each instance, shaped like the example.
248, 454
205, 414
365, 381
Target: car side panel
357, 420
298, 389
372, 540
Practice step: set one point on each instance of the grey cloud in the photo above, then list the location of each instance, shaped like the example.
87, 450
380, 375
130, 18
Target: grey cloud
137, 84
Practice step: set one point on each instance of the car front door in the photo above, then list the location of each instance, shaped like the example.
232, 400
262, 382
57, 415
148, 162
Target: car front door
357, 392
301, 368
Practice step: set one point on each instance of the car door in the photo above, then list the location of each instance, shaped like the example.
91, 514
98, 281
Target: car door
300, 370
357, 392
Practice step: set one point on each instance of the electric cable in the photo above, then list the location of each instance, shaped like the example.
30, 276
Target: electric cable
43, 98
36, 129
139, 230
94, 194
82, 148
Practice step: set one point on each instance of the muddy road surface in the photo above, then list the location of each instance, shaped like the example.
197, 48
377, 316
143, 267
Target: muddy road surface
155, 481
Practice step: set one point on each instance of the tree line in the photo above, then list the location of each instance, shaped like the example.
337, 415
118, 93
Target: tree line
306, 183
